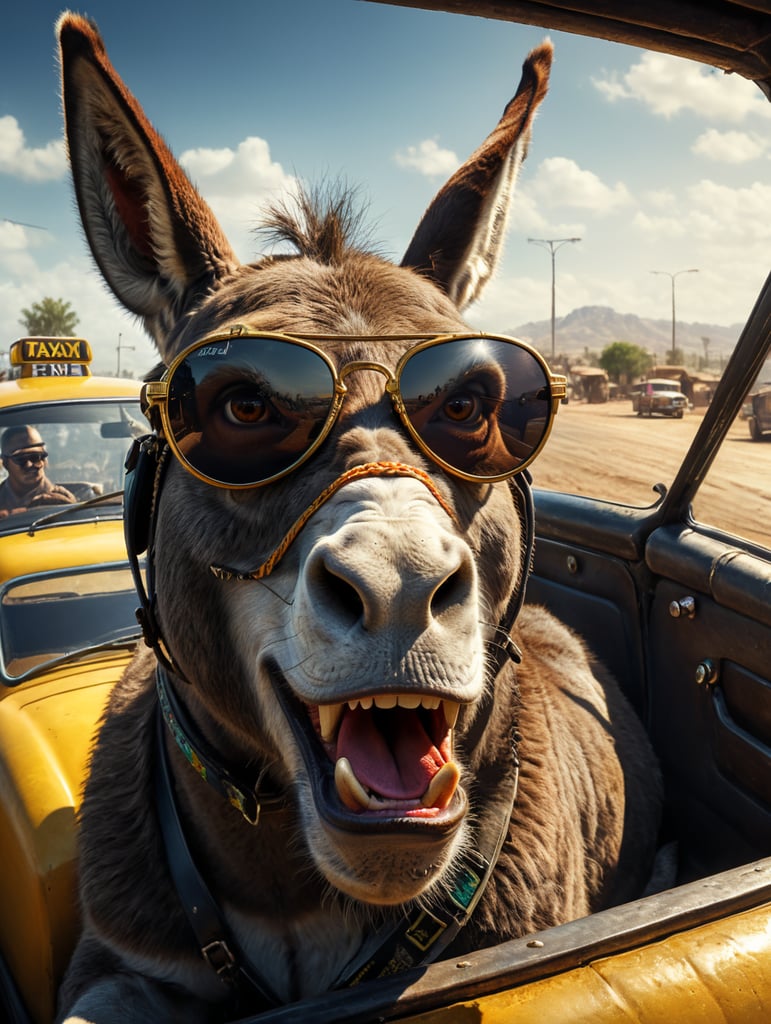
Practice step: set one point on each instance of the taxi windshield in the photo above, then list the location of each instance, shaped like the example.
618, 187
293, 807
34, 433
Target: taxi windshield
60, 453
51, 617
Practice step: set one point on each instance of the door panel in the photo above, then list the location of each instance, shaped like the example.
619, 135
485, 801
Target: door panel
596, 595
687, 631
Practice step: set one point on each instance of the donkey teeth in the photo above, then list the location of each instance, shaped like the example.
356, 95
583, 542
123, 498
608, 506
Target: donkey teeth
354, 796
441, 789
329, 719
330, 714
451, 709
349, 789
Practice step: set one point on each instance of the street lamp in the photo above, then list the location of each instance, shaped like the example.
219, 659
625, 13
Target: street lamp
118, 348
672, 277
552, 244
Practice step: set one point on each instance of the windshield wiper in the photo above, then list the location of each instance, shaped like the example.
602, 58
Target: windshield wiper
62, 513
126, 642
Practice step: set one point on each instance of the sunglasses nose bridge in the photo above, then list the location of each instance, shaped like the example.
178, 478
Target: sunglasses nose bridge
391, 383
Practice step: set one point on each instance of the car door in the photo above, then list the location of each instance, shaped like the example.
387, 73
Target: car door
678, 607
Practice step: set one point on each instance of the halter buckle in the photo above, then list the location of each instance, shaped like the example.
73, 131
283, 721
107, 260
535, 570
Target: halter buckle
218, 956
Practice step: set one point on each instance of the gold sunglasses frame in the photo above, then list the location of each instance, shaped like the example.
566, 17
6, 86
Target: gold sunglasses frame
156, 393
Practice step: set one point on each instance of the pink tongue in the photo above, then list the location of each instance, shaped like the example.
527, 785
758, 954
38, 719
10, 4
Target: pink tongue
400, 766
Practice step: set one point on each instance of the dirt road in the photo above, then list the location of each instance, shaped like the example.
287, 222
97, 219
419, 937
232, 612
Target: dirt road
607, 451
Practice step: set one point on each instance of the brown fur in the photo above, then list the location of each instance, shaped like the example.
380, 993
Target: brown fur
302, 896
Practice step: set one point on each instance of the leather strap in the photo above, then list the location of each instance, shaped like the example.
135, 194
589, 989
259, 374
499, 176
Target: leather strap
422, 936
417, 939
211, 934
239, 786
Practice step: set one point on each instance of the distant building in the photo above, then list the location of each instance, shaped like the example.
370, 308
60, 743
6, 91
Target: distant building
698, 386
589, 384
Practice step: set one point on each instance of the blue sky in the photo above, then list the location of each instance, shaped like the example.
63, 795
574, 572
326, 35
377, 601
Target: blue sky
655, 162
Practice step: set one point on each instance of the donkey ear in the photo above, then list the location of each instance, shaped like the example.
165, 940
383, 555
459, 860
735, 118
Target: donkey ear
156, 242
459, 240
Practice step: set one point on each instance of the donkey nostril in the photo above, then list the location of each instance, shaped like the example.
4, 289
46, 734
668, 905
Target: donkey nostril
337, 596
453, 591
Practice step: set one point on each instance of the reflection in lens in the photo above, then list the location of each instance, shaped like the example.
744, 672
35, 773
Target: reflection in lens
244, 410
482, 405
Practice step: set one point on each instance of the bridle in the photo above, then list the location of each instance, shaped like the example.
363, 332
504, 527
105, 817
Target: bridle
145, 470
250, 792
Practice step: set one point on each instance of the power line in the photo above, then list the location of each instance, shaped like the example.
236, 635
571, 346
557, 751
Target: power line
22, 224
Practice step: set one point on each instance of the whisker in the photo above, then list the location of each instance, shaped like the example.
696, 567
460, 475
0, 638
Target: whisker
276, 593
493, 625
507, 644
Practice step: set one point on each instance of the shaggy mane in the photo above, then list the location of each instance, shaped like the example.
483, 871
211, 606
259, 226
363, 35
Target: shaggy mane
323, 223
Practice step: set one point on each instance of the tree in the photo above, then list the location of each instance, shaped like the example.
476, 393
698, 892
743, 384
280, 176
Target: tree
52, 318
622, 359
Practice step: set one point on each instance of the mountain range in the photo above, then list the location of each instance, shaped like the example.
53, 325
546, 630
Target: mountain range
585, 332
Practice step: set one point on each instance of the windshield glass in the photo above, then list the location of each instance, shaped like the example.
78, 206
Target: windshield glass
53, 615
58, 453
735, 497
614, 450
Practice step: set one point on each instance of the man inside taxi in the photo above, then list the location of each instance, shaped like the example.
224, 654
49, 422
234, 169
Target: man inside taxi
24, 458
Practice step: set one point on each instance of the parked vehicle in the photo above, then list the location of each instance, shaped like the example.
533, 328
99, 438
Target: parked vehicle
67, 630
759, 414
661, 396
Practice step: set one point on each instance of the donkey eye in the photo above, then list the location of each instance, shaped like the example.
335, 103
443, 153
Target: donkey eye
462, 407
245, 408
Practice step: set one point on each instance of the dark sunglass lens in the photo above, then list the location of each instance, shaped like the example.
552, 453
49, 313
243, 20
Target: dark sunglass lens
33, 458
482, 405
244, 410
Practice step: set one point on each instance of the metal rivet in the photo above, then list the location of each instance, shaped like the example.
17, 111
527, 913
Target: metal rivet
535, 944
706, 672
684, 607
463, 963
572, 564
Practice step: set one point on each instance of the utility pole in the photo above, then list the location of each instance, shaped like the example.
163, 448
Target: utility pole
118, 347
672, 277
552, 244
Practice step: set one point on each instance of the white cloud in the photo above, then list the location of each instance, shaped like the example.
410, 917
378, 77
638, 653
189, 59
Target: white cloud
428, 158
13, 239
660, 225
669, 85
661, 199
100, 318
712, 213
729, 147
46, 163
722, 230
723, 213
561, 182
526, 218
237, 183
249, 167
207, 162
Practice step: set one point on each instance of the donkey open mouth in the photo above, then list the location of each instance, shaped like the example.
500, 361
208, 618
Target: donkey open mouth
392, 756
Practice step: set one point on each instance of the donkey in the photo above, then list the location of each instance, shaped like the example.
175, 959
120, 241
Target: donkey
347, 747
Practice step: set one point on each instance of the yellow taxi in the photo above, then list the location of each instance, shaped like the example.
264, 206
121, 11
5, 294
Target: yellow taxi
67, 629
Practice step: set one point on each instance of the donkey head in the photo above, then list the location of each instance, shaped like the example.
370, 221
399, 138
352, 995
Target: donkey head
337, 539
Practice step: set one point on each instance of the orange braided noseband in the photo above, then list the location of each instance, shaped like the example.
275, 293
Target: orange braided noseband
222, 572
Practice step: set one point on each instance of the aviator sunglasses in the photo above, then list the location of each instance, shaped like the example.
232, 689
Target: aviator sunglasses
243, 408
36, 458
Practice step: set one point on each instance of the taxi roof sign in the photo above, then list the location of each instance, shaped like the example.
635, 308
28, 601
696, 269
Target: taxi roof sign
52, 357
